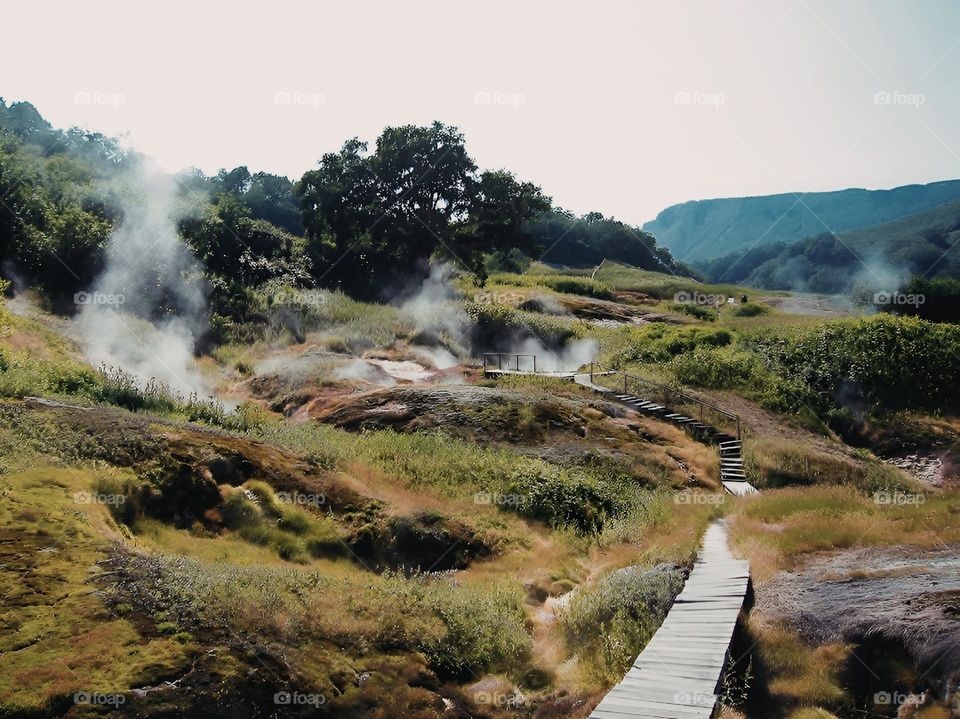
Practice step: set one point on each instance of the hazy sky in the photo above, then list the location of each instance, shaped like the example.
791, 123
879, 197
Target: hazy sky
617, 105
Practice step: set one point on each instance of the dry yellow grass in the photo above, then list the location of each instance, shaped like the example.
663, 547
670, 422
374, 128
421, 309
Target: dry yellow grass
775, 529
779, 528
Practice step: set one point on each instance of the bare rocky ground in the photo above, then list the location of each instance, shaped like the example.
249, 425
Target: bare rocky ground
927, 469
884, 601
825, 306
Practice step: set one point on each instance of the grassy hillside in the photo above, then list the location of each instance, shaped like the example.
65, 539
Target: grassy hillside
359, 518
705, 229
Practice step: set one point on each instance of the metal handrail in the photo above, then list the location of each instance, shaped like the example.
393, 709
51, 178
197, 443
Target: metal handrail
596, 368
659, 385
500, 355
495, 360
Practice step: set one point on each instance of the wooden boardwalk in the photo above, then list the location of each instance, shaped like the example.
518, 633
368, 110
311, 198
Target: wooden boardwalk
677, 675
556, 375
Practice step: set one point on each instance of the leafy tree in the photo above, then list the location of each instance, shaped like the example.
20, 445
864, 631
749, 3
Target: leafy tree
588, 240
374, 220
512, 261
500, 207
271, 198
935, 299
243, 250
234, 183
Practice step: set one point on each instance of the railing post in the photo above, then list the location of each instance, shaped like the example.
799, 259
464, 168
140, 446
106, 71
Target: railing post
534, 364
738, 427
625, 383
500, 361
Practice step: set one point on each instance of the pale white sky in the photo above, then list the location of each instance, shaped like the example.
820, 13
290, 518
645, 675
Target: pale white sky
622, 106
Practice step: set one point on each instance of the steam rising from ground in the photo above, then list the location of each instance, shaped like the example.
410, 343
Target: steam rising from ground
435, 308
570, 357
147, 308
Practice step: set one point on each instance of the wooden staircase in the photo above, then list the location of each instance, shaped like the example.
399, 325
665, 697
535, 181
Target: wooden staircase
656, 402
678, 674
732, 473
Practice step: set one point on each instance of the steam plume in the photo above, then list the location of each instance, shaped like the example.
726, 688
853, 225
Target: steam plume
147, 307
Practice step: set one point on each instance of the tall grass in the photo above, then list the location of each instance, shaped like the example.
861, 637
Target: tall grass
565, 284
349, 324
610, 622
26, 377
463, 630
657, 284
585, 499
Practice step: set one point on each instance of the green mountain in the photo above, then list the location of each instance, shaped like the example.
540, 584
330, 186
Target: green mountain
704, 229
881, 256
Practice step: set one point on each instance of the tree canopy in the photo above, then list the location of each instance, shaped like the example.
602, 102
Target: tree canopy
367, 220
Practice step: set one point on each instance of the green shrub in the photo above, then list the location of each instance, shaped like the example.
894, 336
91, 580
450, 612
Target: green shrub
122, 389
463, 629
513, 261
543, 492
295, 522
168, 628
608, 624
940, 299
485, 628
35, 376
884, 362
565, 284
494, 323
660, 342
239, 512
749, 309
701, 312
716, 368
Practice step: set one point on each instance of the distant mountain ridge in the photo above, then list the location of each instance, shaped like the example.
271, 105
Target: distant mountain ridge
706, 229
881, 256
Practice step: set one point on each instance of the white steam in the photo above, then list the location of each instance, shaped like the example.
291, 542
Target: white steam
570, 357
435, 306
147, 307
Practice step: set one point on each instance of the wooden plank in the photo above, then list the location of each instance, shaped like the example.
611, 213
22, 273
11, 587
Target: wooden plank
678, 672
676, 675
